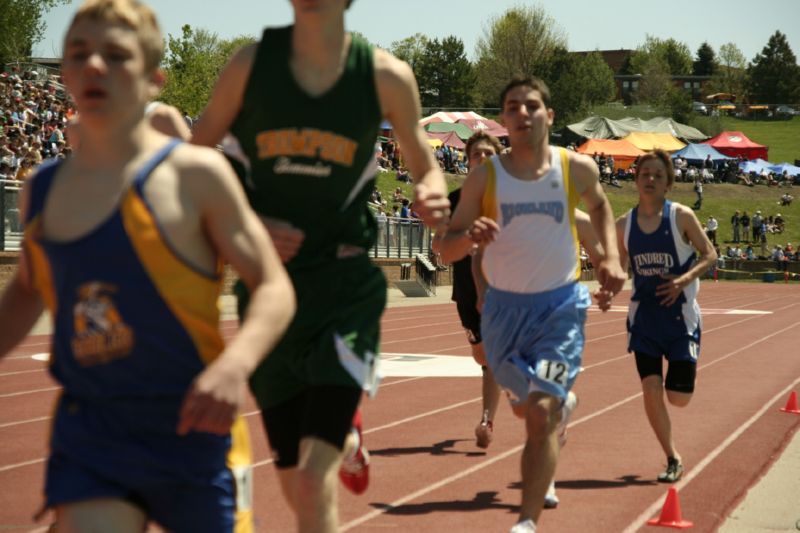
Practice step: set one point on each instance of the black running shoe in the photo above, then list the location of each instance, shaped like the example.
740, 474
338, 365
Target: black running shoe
673, 472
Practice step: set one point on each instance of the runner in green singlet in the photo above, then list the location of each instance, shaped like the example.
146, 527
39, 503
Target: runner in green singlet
305, 104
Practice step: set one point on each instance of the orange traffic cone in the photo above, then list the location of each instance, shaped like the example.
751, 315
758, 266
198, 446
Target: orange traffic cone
671, 513
791, 404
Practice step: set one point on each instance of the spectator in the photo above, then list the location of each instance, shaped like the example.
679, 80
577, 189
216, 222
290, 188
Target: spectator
756, 222
698, 189
778, 224
786, 199
402, 175
744, 220
736, 220
711, 229
749, 254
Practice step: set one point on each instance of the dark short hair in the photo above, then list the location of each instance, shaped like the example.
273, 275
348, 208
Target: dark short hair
662, 156
480, 136
533, 82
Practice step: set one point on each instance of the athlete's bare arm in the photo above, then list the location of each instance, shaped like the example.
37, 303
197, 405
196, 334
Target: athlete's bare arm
20, 304
585, 178
226, 99
588, 237
168, 120
591, 244
467, 226
692, 232
399, 100
239, 238
216, 121
623, 251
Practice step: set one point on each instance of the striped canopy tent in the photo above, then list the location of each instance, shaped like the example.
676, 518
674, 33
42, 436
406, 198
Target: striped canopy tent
623, 152
449, 138
488, 125
446, 127
451, 117
652, 141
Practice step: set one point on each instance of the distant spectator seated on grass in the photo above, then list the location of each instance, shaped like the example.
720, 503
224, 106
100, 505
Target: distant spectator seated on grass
383, 162
402, 175
397, 196
786, 199
749, 254
789, 251
745, 179
778, 224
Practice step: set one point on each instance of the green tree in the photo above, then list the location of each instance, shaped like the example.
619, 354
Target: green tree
192, 65
656, 83
731, 74
673, 54
411, 49
21, 26
774, 74
520, 42
705, 63
445, 75
578, 82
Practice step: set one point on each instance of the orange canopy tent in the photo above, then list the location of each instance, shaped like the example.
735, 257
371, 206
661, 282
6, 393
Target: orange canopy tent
623, 152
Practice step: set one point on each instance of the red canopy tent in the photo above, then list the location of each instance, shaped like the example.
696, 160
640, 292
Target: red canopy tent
488, 125
736, 143
449, 138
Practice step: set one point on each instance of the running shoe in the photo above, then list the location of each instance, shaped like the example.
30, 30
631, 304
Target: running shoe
570, 403
550, 499
484, 431
673, 472
354, 471
526, 526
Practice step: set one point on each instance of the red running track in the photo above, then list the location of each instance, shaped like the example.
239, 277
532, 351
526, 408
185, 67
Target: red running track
427, 474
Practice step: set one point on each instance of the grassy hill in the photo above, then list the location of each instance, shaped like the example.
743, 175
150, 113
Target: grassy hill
719, 200
781, 136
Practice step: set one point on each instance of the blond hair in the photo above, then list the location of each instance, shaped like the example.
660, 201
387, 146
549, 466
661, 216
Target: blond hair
133, 14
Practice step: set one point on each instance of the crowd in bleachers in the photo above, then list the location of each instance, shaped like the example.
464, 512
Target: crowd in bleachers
34, 113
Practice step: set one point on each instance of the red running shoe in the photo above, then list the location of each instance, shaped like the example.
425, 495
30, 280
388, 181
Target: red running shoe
354, 471
483, 433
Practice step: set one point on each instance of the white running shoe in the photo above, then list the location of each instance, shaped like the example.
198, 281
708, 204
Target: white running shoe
526, 526
550, 499
570, 403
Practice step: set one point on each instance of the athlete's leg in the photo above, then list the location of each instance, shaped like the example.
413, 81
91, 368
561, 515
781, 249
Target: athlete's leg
490, 392
325, 433
540, 454
490, 389
316, 482
95, 516
649, 368
679, 383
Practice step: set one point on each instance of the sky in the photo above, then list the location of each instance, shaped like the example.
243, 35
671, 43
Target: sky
587, 24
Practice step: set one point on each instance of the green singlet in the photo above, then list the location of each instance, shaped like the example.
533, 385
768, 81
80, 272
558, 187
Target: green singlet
313, 164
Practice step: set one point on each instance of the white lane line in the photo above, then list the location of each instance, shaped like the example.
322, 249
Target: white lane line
697, 470
430, 488
479, 466
20, 422
18, 372
20, 465
23, 393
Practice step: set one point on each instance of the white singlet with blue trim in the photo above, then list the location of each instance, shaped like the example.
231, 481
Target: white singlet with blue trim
537, 247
